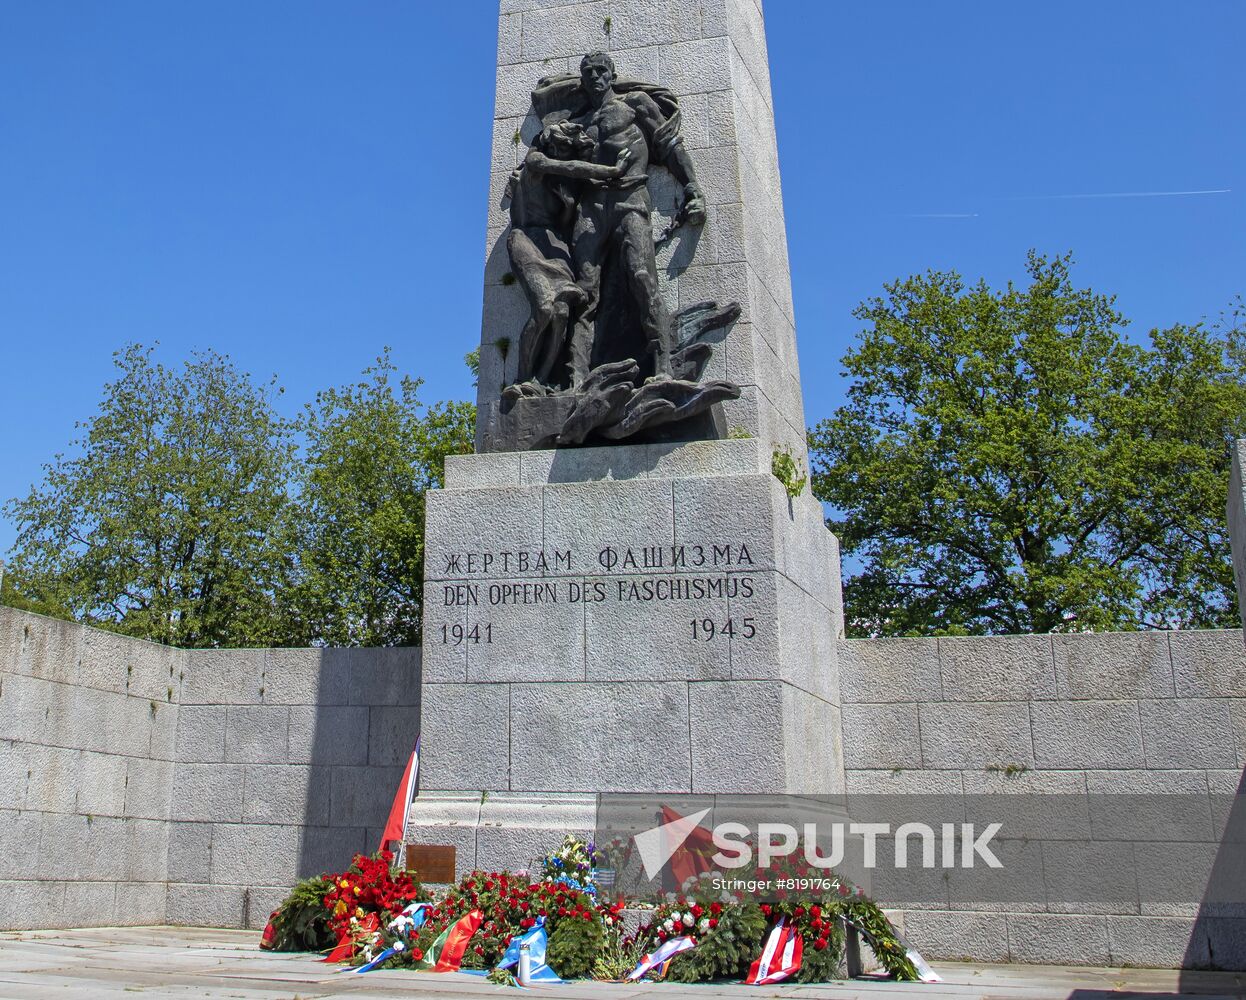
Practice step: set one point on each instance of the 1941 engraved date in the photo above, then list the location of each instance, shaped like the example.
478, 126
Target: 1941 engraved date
706, 629
457, 635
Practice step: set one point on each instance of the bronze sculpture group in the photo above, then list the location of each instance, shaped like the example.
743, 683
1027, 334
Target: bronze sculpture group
601, 357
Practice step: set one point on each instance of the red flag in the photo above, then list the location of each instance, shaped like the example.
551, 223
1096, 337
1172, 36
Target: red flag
345, 948
451, 955
693, 856
779, 958
396, 825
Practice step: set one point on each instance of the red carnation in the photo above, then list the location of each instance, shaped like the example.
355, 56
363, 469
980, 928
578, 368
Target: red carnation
713, 922
820, 944
765, 909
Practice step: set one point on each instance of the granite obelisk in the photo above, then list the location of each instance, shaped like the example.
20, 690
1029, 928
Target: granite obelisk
620, 593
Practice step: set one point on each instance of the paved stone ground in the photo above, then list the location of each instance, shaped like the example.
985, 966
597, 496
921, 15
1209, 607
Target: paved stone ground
192, 962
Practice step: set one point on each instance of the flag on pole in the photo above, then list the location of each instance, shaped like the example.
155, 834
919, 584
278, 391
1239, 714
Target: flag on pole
396, 825
779, 958
660, 958
446, 953
691, 857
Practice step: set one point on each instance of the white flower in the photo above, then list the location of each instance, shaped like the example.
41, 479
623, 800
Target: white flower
689, 919
399, 946
668, 925
704, 925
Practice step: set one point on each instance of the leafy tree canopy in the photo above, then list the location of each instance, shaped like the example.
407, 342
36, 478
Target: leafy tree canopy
191, 515
1008, 462
171, 521
372, 449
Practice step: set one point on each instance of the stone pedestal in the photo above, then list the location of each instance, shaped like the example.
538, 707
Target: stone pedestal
657, 618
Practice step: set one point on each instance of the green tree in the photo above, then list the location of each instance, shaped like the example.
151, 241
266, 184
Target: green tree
1008, 462
372, 451
170, 521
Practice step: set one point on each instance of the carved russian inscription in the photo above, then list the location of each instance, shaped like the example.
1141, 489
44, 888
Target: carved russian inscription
691, 574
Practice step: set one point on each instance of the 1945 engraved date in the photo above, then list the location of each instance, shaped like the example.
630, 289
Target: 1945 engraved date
706, 629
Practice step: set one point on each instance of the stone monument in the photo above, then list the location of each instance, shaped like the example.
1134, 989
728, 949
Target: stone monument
620, 594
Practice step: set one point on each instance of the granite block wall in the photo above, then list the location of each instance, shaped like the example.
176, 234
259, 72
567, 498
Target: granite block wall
286, 763
88, 725
1160, 714
141, 784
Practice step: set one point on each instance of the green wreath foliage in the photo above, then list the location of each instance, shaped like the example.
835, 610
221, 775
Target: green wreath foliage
574, 944
726, 951
302, 921
868, 917
619, 954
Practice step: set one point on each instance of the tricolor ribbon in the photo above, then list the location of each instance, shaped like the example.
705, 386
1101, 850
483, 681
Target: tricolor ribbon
779, 958
346, 940
535, 970
660, 958
418, 913
446, 953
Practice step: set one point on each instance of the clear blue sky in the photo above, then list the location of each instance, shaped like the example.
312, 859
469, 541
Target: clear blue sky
300, 183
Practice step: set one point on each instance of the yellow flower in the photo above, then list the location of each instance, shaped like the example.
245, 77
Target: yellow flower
340, 909
356, 890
